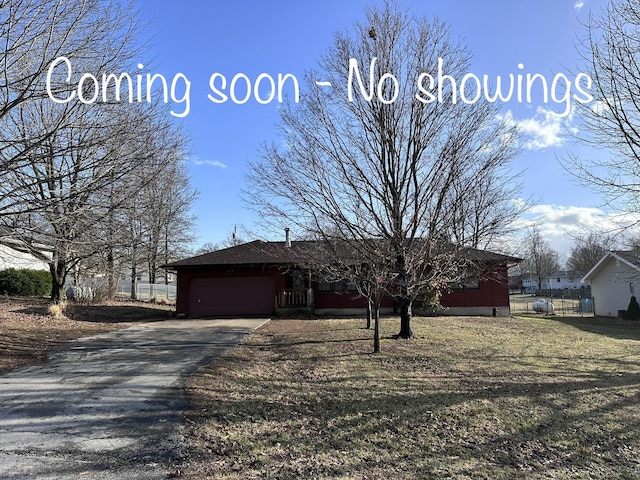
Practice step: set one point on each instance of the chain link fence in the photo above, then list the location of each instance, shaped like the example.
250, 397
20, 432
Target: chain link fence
148, 291
562, 306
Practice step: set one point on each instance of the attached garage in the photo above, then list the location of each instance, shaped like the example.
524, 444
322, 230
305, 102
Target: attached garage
231, 296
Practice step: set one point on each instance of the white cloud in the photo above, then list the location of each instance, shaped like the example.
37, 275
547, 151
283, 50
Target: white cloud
560, 225
211, 163
577, 6
545, 129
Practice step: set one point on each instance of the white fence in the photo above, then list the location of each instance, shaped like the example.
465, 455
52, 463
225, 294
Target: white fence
148, 291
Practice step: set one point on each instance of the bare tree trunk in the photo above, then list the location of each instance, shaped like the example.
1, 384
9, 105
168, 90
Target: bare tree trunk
369, 308
376, 328
405, 318
58, 270
111, 283
134, 280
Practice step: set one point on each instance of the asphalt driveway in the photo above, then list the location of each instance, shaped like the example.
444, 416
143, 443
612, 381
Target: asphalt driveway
108, 406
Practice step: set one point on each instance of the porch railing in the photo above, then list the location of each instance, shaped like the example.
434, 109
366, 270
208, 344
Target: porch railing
295, 298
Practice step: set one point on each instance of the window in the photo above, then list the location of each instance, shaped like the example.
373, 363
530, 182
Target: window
324, 286
340, 286
470, 281
469, 277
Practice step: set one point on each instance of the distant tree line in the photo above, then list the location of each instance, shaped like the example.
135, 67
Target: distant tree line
90, 188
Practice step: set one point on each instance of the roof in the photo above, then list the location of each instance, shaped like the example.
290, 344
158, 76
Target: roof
300, 252
631, 258
16, 242
252, 253
566, 274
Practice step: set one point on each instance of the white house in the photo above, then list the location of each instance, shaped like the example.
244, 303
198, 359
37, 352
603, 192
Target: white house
12, 258
614, 279
564, 280
560, 280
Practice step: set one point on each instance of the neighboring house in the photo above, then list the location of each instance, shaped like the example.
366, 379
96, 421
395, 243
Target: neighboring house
560, 280
260, 278
529, 284
564, 280
12, 257
614, 279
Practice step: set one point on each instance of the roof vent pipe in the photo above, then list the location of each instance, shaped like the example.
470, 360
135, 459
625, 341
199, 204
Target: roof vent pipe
287, 238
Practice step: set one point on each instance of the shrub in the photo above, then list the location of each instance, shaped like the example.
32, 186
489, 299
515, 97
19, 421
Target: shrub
633, 310
24, 282
41, 281
57, 309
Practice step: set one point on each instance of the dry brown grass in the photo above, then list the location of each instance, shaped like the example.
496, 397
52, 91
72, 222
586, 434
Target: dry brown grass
29, 327
57, 309
478, 398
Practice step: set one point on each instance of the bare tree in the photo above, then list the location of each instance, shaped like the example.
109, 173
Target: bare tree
611, 52
36, 32
587, 251
67, 164
367, 265
166, 201
540, 258
63, 184
487, 216
234, 239
147, 218
386, 166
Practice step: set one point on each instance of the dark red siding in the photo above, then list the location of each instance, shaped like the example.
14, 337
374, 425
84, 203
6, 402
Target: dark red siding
234, 291
493, 292
344, 300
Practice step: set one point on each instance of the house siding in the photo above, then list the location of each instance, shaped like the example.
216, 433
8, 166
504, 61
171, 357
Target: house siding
346, 303
10, 258
493, 293
612, 287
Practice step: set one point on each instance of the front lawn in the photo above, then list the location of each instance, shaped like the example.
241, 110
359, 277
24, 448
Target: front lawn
491, 398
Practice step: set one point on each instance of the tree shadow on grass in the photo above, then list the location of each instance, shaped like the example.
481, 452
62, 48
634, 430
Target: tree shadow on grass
610, 327
482, 427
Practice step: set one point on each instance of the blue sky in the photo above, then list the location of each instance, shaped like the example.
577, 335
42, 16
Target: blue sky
197, 38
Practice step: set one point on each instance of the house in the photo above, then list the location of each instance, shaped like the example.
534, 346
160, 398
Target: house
14, 255
614, 279
565, 280
261, 278
560, 280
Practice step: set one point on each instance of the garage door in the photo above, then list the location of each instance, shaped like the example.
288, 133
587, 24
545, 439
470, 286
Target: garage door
232, 296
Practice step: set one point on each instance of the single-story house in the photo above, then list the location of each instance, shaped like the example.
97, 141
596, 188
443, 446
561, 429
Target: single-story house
262, 278
614, 279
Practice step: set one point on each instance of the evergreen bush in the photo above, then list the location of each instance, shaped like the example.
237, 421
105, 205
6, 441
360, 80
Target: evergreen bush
633, 310
25, 282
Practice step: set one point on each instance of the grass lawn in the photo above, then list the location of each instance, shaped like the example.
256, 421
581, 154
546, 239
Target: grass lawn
28, 331
483, 398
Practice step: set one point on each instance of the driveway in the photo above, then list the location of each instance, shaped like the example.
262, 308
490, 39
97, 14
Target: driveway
109, 406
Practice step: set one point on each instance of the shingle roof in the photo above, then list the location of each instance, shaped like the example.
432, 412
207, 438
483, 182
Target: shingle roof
252, 253
566, 273
277, 253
